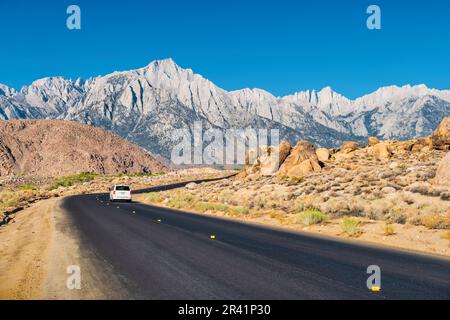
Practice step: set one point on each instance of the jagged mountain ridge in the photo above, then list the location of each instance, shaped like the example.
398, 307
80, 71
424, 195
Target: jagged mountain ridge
145, 105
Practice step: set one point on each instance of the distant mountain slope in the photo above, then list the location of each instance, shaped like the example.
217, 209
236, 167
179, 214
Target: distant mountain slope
56, 147
145, 106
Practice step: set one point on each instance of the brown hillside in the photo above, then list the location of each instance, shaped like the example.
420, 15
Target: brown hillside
56, 147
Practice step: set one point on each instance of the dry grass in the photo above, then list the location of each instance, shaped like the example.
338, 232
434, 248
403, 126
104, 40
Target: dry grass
155, 197
278, 216
388, 229
11, 199
310, 217
351, 226
436, 221
446, 235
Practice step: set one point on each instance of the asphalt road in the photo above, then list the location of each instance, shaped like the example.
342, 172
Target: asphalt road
159, 253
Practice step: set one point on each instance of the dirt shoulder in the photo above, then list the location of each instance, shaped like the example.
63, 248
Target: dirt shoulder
25, 249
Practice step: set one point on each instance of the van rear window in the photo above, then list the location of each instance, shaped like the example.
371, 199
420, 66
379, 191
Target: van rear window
122, 188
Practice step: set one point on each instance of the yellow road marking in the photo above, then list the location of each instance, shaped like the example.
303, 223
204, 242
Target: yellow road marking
376, 289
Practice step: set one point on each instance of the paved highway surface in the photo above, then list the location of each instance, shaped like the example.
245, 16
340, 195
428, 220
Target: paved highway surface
159, 253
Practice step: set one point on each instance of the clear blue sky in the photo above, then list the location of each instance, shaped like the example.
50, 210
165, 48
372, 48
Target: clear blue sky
280, 46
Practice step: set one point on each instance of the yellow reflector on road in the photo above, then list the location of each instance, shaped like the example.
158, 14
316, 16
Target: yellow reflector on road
376, 289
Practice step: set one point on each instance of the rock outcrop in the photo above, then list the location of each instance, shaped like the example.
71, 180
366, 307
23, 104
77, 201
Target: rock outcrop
442, 177
441, 136
381, 151
302, 160
323, 154
371, 141
272, 157
349, 146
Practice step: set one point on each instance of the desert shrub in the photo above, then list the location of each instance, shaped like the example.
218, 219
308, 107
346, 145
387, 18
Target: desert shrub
379, 208
6, 195
186, 197
8, 199
239, 210
338, 207
68, 181
203, 206
138, 174
154, 197
351, 226
334, 207
210, 206
397, 215
446, 235
309, 217
260, 202
275, 215
221, 207
355, 207
145, 174
226, 195
13, 199
178, 204
407, 198
445, 196
388, 229
296, 180
307, 202
418, 188
27, 187
436, 221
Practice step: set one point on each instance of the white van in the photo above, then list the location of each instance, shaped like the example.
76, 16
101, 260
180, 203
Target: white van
120, 192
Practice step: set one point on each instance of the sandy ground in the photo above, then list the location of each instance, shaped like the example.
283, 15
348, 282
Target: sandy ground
98, 279
406, 236
37, 250
25, 250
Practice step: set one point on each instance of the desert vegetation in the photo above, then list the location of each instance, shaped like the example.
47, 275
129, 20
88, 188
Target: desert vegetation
397, 185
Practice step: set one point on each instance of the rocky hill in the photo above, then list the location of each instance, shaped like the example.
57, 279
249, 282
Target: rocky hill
57, 147
145, 106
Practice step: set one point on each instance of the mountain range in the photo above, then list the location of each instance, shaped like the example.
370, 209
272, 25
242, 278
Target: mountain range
145, 106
